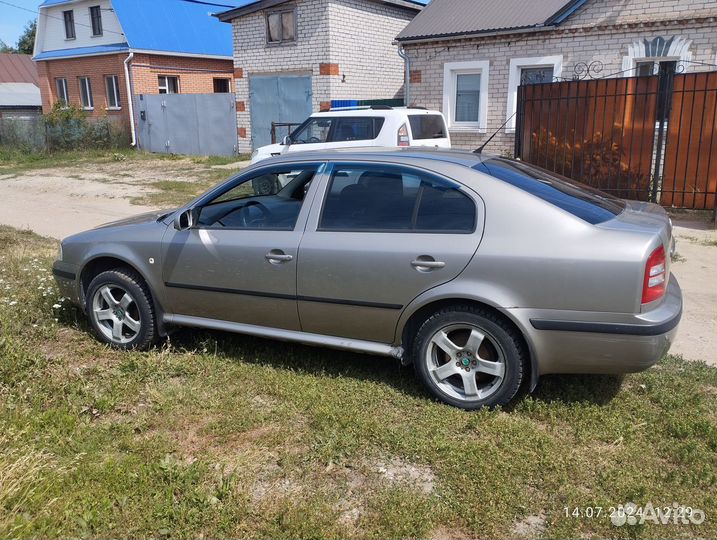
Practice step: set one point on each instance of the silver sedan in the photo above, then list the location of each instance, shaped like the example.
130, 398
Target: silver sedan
483, 272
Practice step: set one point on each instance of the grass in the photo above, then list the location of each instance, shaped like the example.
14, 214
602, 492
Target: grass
217, 435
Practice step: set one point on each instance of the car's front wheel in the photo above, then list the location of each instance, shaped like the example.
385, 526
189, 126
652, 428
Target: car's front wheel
469, 357
120, 308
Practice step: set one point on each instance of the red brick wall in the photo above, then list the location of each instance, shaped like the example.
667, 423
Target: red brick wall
94, 67
196, 76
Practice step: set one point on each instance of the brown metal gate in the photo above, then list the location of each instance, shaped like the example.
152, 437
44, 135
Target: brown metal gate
648, 138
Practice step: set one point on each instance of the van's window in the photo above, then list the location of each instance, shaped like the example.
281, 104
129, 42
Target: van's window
427, 126
270, 199
389, 198
356, 129
581, 200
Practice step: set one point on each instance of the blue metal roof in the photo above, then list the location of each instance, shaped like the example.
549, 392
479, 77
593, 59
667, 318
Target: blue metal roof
82, 51
171, 26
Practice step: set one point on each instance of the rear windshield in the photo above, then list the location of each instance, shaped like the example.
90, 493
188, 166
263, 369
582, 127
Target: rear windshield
580, 200
427, 126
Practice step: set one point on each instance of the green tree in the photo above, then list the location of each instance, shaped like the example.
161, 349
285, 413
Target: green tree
27, 40
5, 48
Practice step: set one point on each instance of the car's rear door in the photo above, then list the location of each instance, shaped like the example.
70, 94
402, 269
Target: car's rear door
382, 235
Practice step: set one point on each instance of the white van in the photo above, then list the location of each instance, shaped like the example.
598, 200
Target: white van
371, 126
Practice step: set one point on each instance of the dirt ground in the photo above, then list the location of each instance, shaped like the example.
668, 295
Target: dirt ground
62, 201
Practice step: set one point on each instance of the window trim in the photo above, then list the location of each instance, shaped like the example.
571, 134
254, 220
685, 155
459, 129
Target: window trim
287, 9
451, 70
115, 91
91, 106
166, 77
516, 65
71, 13
66, 91
409, 170
99, 21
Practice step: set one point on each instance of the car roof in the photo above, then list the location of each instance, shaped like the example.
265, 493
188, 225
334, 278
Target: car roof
401, 155
402, 111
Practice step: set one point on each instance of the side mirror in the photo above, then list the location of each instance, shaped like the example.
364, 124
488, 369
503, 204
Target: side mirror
286, 141
186, 219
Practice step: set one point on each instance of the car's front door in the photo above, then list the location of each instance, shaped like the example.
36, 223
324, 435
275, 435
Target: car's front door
238, 262
383, 235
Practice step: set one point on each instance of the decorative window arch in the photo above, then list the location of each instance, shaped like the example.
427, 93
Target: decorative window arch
658, 48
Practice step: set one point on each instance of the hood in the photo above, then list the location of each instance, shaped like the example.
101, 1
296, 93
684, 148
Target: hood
147, 217
265, 152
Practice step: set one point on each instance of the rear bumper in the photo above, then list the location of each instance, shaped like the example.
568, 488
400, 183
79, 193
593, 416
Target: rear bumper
588, 342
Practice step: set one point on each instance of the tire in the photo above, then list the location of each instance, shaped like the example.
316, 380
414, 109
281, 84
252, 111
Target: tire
119, 305
469, 344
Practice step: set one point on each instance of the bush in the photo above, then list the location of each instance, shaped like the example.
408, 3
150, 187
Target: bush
63, 128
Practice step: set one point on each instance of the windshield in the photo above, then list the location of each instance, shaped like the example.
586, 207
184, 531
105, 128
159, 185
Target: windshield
580, 200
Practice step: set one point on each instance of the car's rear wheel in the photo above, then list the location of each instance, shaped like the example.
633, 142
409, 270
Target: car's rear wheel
120, 308
469, 357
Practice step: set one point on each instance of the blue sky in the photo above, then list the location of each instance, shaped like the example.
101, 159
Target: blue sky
13, 20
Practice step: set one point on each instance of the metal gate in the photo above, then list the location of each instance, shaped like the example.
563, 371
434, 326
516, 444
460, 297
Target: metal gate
650, 138
278, 99
197, 124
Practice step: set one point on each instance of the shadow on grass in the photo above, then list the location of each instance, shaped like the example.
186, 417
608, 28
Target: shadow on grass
595, 389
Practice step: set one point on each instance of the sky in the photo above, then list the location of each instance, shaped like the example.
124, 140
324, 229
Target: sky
13, 20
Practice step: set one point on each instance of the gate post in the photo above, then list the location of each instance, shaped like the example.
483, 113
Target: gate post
665, 85
518, 124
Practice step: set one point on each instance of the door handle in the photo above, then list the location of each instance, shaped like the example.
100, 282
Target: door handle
276, 256
426, 263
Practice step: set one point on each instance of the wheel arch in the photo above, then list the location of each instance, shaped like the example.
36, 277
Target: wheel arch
417, 313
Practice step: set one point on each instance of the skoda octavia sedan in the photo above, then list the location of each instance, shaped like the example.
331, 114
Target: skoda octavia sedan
483, 272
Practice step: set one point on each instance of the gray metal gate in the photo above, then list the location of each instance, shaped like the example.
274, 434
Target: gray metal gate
198, 124
277, 98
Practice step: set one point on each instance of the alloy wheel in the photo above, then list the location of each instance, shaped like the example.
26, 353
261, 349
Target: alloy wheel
116, 313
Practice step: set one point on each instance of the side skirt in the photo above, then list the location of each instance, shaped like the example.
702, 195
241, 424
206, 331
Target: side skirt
356, 345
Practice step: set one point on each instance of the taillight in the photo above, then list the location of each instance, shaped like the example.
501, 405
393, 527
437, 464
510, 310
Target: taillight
653, 287
403, 136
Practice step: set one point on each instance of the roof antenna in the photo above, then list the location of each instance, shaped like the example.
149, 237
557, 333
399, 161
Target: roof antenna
479, 150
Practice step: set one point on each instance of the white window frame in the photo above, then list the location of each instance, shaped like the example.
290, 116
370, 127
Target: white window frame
115, 92
62, 82
91, 105
166, 83
516, 65
450, 72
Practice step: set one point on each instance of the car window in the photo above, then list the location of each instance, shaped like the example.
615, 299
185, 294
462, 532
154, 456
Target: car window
356, 129
389, 198
427, 126
314, 130
582, 201
270, 199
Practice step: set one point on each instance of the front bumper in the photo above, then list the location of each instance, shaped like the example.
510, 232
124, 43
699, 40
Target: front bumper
603, 343
67, 279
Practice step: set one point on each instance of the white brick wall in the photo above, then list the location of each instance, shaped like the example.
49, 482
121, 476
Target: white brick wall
600, 30
355, 34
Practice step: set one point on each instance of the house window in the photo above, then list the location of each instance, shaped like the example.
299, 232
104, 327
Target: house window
532, 70
221, 86
113, 95
86, 93
96, 18
63, 95
168, 84
69, 17
645, 68
465, 95
281, 26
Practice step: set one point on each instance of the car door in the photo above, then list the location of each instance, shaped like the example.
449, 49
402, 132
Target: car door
238, 261
383, 235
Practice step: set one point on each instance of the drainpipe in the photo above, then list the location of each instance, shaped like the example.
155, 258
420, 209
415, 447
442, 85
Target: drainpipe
130, 98
407, 84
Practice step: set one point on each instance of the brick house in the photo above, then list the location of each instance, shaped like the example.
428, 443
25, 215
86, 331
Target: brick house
468, 57
295, 57
96, 53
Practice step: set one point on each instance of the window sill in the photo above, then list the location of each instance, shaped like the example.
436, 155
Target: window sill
70, 39
280, 43
96, 36
88, 108
113, 109
468, 128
